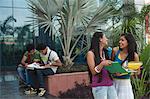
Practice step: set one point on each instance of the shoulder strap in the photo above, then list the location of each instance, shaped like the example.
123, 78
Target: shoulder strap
49, 56
41, 61
117, 53
124, 60
47, 59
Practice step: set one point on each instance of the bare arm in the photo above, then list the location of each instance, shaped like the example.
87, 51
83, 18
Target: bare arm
55, 63
136, 59
23, 61
115, 49
91, 63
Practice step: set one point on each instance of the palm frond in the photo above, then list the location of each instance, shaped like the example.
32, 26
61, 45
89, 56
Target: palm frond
70, 14
102, 14
44, 10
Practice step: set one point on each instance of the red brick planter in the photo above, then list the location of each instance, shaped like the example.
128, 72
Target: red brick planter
63, 82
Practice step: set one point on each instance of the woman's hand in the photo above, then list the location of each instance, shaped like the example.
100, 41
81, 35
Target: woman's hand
106, 62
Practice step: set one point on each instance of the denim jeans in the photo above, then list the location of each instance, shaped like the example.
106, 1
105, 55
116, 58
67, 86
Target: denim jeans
22, 72
31, 78
40, 75
104, 92
25, 75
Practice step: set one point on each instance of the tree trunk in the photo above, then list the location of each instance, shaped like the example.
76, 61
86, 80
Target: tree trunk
68, 62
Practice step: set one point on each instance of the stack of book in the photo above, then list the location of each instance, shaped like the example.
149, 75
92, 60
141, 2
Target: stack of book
116, 67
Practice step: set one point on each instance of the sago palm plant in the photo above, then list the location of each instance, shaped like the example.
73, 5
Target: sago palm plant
70, 20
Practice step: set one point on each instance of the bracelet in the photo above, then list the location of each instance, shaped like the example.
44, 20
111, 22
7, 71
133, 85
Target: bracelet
97, 70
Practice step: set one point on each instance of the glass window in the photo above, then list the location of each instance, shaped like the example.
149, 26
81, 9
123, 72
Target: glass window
14, 43
7, 3
21, 16
20, 3
4, 13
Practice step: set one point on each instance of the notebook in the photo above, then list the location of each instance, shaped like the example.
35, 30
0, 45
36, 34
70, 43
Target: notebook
34, 65
116, 67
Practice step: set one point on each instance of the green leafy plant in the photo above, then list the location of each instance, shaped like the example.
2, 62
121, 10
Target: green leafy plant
140, 87
145, 57
130, 20
141, 84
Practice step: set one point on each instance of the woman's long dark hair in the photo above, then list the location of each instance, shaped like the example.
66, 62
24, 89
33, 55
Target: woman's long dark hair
95, 48
132, 46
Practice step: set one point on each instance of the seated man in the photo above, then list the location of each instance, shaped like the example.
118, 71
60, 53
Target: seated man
30, 56
51, 62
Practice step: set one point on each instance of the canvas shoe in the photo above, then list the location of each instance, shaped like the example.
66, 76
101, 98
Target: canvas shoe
31, 91
42, 92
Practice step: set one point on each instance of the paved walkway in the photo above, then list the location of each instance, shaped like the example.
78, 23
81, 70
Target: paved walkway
9, 88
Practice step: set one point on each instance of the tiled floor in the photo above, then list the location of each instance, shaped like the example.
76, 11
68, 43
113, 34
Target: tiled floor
9, 88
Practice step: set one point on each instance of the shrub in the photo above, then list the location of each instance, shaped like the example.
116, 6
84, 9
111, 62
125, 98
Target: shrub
75, 68
141, 84
80, 91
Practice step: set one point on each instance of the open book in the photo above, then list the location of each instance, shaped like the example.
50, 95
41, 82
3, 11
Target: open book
34, 65
115, 67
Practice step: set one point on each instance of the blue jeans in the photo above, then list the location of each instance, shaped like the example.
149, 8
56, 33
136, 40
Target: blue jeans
24, 75
22, 72
40, 75
104, 92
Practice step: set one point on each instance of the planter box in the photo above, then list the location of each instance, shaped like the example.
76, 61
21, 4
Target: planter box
63, 82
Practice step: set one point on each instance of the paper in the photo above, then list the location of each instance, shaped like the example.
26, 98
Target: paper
115, 67
134, 65
34, 65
